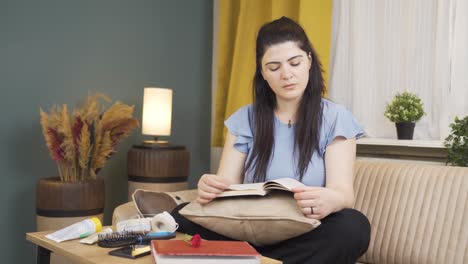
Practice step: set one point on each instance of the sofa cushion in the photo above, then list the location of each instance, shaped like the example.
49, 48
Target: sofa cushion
252, 218
417, 211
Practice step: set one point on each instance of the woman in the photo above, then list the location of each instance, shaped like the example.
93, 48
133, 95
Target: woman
291, 131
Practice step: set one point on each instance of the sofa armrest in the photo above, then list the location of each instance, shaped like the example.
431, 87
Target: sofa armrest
123, 212
417, 211
155, 203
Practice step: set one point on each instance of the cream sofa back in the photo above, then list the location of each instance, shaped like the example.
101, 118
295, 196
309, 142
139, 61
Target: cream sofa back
418, 212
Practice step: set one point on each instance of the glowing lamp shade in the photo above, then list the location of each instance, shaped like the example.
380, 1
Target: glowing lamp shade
157, 111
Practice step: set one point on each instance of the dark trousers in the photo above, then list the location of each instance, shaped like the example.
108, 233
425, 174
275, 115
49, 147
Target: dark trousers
341, 238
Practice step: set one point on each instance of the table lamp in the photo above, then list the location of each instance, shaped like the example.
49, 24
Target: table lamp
157, 114
157, 165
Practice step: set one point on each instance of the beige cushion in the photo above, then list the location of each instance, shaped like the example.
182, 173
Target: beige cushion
418, 212
124, 212
149, 203
252, 218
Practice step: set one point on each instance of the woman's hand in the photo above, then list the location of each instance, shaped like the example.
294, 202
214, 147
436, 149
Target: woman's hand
318, 202
209, 186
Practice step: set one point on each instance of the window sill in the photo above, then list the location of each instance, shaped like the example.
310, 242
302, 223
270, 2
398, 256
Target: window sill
426, 150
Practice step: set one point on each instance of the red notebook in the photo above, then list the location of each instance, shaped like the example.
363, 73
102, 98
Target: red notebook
216, 252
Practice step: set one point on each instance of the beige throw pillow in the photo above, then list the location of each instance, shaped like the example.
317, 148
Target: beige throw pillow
263, 220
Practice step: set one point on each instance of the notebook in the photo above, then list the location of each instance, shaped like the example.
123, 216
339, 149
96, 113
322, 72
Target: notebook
209, 252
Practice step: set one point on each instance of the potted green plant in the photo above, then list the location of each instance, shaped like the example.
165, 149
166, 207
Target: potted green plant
405, 110
80, 143
457, 143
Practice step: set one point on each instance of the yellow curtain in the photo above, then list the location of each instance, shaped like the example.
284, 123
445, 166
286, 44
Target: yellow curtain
239, 21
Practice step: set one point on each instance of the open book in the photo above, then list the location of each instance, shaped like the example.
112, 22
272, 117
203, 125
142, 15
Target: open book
261, 188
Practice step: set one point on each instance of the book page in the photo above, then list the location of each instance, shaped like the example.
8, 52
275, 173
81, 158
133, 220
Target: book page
243, 189
229, 193
246, 186
283, 184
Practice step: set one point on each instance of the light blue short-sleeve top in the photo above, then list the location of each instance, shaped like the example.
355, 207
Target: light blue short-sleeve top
336, 121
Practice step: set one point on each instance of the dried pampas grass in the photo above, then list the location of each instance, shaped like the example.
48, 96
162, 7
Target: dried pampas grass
82, 142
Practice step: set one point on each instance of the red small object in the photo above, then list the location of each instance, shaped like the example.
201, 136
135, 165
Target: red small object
196, 240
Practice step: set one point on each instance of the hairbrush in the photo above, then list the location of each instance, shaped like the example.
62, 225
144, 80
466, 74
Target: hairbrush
120, 239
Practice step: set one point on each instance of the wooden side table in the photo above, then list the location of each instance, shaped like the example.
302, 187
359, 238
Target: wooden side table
163, 168
90, 254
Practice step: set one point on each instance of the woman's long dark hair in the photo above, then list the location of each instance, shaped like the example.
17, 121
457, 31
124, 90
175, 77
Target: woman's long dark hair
309, 112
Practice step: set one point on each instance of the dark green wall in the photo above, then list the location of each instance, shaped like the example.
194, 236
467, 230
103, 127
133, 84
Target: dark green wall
54, 52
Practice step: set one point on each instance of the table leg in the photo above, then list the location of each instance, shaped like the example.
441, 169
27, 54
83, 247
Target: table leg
43, 255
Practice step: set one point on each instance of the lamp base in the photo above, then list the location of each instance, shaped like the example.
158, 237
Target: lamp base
153, 144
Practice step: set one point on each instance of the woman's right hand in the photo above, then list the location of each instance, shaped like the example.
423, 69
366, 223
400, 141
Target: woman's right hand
209, 186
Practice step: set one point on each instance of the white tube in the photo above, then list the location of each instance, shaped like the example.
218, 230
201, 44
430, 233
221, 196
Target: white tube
78, 230
95, 237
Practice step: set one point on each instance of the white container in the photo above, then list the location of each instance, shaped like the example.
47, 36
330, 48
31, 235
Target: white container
78, 230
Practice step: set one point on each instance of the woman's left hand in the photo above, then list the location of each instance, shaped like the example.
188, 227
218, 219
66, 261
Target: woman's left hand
318, 202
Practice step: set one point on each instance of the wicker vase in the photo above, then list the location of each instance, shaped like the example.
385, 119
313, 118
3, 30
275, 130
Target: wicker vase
59, 204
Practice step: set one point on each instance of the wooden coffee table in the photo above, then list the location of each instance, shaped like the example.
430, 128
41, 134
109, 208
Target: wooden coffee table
92, 254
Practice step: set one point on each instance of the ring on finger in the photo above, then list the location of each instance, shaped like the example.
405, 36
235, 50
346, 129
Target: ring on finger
311, 210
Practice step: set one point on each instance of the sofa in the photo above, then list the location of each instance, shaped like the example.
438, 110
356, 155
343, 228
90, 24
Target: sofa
418, 211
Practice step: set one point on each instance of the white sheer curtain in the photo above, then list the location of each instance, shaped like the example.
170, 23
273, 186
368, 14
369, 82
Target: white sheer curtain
383, 47
457, 101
